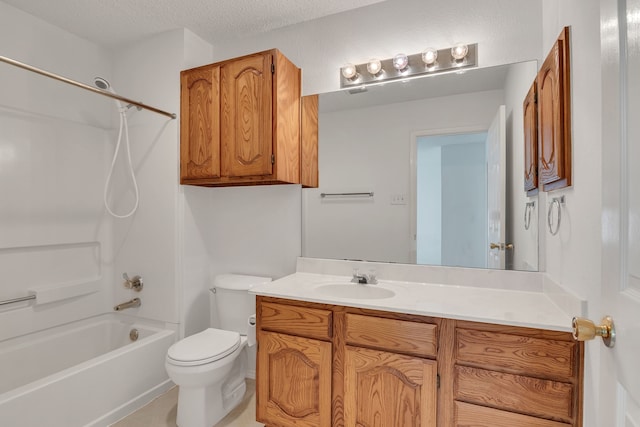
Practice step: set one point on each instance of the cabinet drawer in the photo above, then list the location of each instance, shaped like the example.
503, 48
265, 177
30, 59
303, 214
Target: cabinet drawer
532, 396
479, 416
516, 354
399, 336
294, 320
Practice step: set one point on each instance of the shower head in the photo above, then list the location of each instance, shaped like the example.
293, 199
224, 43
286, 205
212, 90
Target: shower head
102, 83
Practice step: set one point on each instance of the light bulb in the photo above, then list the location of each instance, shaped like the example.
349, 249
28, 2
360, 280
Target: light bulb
459, 51
374, 67
429, 56
400, 62
349, 71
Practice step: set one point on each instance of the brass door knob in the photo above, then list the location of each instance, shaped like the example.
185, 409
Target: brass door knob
585, 330
501, 246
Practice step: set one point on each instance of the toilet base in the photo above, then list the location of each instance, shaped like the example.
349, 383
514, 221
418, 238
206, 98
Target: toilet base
204, 406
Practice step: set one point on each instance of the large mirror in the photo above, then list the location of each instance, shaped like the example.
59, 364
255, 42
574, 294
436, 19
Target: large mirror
427, 171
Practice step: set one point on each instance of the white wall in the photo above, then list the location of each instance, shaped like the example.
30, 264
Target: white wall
573, 256
368, 149
506, 31
53, 156
146, 243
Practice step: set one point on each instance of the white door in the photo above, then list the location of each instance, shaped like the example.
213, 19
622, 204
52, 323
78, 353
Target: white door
619, 391
496, 189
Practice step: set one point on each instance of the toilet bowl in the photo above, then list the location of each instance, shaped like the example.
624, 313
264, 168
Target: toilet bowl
210, 367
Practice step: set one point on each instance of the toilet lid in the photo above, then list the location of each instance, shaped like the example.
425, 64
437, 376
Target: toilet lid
204, 347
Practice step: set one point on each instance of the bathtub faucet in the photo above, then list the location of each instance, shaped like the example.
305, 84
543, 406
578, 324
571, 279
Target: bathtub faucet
129, 304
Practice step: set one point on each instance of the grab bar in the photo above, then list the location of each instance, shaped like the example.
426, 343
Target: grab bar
14, 300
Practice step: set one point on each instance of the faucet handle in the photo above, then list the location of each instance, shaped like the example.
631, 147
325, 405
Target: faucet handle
371, 278
134, 283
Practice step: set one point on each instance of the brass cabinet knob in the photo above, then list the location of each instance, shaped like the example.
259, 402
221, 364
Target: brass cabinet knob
585, 330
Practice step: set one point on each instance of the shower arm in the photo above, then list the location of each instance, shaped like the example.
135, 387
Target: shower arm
84, 86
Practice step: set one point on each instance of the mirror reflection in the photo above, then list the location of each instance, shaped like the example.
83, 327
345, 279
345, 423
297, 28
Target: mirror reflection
426, 171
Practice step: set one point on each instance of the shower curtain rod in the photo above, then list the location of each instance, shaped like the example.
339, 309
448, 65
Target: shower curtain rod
84, 86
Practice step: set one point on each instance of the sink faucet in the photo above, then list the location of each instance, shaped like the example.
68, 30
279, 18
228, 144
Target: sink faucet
364, 279
129, 304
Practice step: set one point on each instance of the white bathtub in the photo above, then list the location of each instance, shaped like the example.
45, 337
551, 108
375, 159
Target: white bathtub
87, 373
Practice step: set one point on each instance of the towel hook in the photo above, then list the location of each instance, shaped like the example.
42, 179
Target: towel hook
556, 201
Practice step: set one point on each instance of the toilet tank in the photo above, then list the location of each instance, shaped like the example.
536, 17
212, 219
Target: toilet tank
230, 301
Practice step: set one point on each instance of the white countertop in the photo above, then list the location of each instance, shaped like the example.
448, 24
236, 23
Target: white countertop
499, 306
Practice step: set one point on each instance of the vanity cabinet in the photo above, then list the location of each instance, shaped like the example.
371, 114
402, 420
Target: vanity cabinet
240, 122
390, 375
294, 367
391, 369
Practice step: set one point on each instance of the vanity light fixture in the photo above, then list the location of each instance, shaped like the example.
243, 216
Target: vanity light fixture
429, 56
349, 72
401, 66
374, 67
400, 62
459, 51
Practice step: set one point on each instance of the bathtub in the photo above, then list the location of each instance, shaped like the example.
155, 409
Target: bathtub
86, 373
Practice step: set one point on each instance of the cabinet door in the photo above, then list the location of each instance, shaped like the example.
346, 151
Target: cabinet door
200, 123
554, 117
530, 110
294, 381
388, 390
246, 116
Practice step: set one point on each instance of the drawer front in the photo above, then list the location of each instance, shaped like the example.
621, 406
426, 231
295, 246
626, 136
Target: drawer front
516, 354
399, 336
467, 415
291, 319
526, 395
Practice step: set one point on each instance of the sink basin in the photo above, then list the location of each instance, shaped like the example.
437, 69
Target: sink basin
354, 291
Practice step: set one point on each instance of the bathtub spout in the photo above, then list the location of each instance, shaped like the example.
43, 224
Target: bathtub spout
129, 304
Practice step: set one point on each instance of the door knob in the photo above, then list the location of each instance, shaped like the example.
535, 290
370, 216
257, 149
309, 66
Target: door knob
585, 330
501, 246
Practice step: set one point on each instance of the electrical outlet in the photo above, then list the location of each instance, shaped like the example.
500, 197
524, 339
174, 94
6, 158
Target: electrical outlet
399, 199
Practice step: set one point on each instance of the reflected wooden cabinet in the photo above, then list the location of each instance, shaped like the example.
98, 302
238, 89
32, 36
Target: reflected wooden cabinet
554, 117
530, 109
240, 122
322, 365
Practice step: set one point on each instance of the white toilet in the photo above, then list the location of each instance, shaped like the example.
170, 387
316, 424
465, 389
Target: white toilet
210, 367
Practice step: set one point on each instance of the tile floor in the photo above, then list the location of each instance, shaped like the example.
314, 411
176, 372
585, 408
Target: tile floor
161, 412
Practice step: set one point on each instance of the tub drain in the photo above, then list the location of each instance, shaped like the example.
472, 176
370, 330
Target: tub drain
133, 335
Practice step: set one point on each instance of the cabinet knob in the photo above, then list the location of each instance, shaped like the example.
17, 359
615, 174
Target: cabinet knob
585, 330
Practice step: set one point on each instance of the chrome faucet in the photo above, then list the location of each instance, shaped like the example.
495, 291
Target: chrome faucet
129, 304
364, 279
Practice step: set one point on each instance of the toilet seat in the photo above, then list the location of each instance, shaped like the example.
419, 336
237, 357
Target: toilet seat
204, 347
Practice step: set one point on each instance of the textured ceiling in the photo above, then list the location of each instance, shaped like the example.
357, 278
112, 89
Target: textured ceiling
111, 23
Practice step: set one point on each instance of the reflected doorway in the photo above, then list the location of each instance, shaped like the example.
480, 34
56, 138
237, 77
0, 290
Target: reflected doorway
451, 199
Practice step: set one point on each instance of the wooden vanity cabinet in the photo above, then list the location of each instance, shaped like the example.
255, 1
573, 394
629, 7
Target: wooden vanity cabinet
294, 365
240, 122
390, 369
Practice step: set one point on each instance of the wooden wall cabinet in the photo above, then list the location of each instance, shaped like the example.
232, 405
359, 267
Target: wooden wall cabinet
554, 116
241, 122
390, 369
